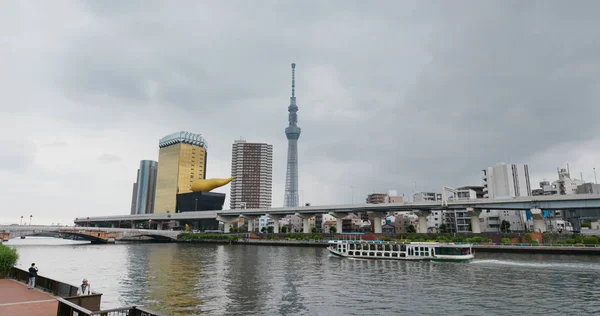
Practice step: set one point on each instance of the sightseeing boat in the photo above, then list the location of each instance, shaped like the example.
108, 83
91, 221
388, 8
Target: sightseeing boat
422, 251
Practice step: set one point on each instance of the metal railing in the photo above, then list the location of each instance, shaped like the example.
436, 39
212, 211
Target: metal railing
66, 308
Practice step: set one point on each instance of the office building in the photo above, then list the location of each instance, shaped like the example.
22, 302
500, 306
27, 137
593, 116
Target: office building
134, 193
181, 160
252, 172
144, 188
505, 181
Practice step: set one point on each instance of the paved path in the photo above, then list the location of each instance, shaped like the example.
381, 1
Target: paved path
16, 299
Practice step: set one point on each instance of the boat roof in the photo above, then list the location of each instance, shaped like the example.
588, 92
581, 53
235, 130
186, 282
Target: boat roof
414, 243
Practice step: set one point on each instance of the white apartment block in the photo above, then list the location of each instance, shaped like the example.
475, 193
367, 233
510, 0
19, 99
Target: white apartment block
252, 172
505, 181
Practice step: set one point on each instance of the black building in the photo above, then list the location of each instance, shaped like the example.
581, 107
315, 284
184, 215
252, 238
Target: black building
200, 201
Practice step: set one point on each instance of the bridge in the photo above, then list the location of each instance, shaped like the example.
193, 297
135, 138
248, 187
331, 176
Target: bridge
93, 234
203, 220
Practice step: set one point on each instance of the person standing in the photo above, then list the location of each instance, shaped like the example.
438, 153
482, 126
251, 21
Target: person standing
84, 288
32, 274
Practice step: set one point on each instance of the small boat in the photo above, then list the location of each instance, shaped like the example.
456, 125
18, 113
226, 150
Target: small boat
390, 250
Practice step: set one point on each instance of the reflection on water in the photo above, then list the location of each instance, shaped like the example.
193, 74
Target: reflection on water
193, 279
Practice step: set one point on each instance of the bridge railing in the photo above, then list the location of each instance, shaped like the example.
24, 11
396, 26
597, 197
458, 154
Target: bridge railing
60, 289
66, 308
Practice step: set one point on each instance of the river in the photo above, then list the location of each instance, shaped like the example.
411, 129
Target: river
194, 279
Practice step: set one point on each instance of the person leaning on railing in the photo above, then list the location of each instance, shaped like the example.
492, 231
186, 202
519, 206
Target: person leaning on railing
84, 288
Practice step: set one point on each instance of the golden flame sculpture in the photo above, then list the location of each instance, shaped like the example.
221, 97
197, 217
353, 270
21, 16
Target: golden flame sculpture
206, 185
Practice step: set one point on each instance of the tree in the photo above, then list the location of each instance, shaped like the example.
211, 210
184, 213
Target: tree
263, 230
332, 230
586, 224
411, 229
505, 226
443, 229
8, 259
270, 229
314, 230
284, 229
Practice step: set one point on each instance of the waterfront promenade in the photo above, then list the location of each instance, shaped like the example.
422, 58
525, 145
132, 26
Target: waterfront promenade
16, 299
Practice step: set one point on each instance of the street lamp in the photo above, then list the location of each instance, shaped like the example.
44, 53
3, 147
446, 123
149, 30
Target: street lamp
30, 217
21, 220
196, 207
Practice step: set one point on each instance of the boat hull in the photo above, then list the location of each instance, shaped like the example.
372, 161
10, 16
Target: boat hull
465, 259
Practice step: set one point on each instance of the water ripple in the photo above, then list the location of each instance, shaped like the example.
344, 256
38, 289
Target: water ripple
184, 279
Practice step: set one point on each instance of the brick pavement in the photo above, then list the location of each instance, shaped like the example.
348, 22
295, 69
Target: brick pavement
17, 300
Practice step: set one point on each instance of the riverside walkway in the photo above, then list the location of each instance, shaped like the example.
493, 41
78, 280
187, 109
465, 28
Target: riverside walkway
16, 299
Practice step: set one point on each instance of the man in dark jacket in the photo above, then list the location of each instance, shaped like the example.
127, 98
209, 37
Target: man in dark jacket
32, 274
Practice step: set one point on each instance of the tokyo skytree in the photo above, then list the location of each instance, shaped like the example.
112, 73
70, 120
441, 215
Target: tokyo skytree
292, 132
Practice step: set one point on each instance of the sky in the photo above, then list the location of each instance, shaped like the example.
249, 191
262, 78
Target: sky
392, 95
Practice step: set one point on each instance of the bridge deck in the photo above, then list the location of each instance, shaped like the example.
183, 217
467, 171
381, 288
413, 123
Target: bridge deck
16, 299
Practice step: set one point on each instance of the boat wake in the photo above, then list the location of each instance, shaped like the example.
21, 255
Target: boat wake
558, 265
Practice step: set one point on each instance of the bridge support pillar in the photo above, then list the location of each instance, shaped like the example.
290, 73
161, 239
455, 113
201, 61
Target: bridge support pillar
305, 222
276, 219
422, 220
249, 219
539, 224
339, 221
376, 219
227, 221
475, 224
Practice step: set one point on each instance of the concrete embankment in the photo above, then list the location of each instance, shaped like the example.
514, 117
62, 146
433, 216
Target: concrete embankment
557, 250
554, 249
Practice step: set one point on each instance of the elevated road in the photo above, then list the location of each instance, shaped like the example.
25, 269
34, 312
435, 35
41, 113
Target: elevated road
553, 202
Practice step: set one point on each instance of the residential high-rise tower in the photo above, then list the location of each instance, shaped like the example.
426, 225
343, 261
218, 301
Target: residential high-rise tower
252, 172
181, 160
292, 132
145, 188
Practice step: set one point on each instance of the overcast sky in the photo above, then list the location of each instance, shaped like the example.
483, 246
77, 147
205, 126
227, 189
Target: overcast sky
391, 94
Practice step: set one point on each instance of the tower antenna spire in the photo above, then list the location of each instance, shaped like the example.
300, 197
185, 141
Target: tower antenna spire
293, 80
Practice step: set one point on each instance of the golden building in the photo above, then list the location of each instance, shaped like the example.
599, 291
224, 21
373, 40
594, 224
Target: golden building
181, 161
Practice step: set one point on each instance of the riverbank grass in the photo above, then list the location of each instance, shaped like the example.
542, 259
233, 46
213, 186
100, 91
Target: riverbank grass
8, 259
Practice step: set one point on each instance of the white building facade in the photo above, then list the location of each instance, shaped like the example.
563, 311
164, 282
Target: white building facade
505, 181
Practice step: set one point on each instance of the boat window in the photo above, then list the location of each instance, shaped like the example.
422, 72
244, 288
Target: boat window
394, 254
379, 254
351, 253
372, 254
402, 247
394, 247
449, 251
402, 255
386, 254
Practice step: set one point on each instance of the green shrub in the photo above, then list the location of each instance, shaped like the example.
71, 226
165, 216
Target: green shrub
505, 241
528, 238
203, 236
8, 259
570, 241
318, 236
387, 238
590, 240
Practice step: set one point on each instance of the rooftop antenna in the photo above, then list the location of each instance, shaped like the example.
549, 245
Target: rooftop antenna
568, 171
293, 80
581, 175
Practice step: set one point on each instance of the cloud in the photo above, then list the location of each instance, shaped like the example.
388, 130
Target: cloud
108, 158
397, 95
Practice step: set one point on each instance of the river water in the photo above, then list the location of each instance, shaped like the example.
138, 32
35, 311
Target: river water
194, 279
